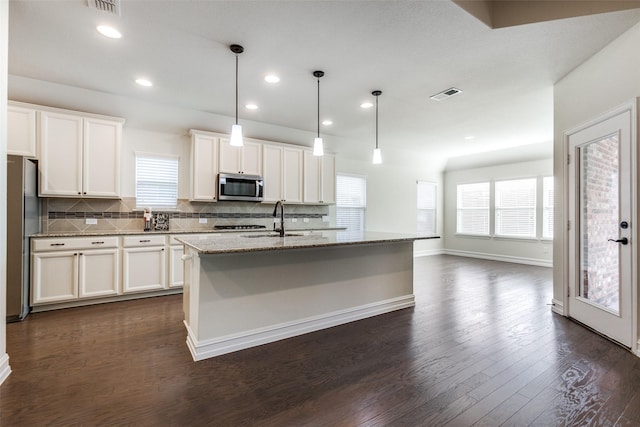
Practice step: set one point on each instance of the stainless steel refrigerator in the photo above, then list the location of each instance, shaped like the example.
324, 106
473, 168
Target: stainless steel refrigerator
23, 220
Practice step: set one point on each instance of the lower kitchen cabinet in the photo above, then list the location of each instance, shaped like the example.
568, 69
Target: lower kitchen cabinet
144, 267
176, 266
69, 269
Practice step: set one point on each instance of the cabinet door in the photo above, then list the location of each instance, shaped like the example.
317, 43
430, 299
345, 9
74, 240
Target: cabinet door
60, 147
311, 193
272, 172
101, 158
252, 158
55, 277
328, 179
143, 269
204, 167
21, 131
176, 268
292, 175
98, 273
229, 157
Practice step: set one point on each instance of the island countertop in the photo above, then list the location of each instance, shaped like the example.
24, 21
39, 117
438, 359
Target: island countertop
269, 241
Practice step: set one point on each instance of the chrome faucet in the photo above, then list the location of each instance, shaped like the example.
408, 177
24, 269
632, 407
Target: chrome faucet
275, 214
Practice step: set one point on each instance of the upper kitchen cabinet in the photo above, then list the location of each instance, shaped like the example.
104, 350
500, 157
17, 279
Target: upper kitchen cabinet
319, 178
204, 166
21, 130
282, 173
246, 159
79, 155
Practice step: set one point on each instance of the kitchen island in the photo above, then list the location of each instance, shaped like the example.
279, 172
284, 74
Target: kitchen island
243, 290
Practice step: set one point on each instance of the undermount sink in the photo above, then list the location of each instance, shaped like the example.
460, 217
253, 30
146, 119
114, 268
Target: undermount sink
270, 235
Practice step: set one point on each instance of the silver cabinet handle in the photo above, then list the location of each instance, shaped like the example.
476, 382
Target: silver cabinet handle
97, 243
145, 241
57, 244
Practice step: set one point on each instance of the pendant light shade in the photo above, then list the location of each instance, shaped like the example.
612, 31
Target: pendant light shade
377, 154
236, 130
318, 146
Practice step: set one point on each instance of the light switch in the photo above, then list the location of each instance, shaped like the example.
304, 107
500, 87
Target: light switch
202, 220
294, 219
305, 220
91, 221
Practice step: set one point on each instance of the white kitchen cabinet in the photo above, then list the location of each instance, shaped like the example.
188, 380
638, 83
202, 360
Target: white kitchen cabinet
204, 166
246, 159
68, 269
79, 156
319, 178
21, 131
143, 263
176, 268
282, 173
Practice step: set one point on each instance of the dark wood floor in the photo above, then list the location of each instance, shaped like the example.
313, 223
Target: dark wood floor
481, 347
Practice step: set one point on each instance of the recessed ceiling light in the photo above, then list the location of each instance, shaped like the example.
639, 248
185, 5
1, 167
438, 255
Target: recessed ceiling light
469, 137
144, 82
327, 122
366, 105
107, 31
271, 78
251, 107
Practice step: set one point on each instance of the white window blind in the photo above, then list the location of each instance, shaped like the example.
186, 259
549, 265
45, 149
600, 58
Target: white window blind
156, 181
426, 200
516, 208
473, 208
547, 207
351, 201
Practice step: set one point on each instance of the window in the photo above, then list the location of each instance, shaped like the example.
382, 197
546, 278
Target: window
516, 208
426, 219
351, 201
547, 207
473, 209
156, 181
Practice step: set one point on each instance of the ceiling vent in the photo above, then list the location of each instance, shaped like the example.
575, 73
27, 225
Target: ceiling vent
109, 6
446, 94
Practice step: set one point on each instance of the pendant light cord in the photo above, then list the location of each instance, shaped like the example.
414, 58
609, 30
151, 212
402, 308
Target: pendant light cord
318, 107
236, 88
376, 121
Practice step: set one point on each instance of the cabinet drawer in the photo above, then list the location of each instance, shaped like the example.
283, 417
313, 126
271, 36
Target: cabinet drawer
142, 240
72, 243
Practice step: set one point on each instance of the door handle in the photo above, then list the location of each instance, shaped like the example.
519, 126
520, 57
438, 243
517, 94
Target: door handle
624, 240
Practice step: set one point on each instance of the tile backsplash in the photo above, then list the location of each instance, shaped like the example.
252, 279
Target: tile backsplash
71, 215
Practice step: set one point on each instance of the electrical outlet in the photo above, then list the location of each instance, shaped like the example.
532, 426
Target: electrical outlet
305, 220
325, 218
202, 220
294, 219
91, 221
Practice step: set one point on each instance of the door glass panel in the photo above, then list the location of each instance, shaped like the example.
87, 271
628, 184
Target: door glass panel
599, 216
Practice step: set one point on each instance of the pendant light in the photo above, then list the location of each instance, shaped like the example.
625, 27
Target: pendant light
377, 155
236, 130
318, 149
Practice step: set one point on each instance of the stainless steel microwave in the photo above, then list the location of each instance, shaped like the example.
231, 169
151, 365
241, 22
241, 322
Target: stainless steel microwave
239, 186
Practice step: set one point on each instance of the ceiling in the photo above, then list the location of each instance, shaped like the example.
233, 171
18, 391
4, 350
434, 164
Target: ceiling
409, 50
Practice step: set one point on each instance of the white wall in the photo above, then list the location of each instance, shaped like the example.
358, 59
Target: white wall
605, 81
4, 41
534, 251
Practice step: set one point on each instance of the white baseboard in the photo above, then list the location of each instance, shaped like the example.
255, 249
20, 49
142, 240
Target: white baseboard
5, 369
557, 306
201, 350
428, 252
503, 258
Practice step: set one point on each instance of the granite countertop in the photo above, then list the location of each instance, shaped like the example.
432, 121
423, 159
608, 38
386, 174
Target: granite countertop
173, 232
267, 241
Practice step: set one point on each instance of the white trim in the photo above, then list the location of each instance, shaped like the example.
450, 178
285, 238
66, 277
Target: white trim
637, 349
428, 252
503, 258
5, 369
557, 306
201, 350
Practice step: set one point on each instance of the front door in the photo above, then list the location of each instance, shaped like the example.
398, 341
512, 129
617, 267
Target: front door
600, 213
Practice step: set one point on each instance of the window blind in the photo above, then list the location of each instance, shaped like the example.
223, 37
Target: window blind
547, 207
351, 201
515, 203
426, 205
473, 208
156, 181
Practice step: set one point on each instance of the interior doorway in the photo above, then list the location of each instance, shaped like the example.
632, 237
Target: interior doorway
601, 211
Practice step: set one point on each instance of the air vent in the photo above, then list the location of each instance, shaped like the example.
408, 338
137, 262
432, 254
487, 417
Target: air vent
446, 94
109, 6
